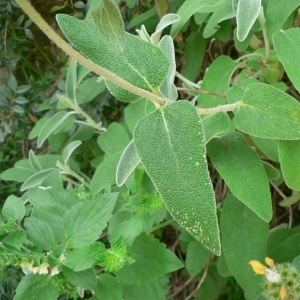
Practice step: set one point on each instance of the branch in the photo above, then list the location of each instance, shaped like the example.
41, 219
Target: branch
52, 35
213, 110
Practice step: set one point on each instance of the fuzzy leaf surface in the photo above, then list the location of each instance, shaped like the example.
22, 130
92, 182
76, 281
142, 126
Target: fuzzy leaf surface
171, 145
267, 112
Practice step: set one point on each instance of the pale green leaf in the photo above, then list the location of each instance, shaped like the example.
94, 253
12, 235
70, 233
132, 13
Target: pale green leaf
70, 149
222, 12
110, 23
286, 44
36, 179
171, 145
146, 68
86, 279
165, 21
152, 260
246, 14
289, 157
197, 257
34, 161
85, 221
53, 123
105, 175
40, 233
195, 46
217, 78
128, 162
244, 238
267, 112
71, 81
241, 168
114, 139
135, 111
277, 13
241, 46
168, 89
189, 8
214, 124
14, 208
294, 198
36, 287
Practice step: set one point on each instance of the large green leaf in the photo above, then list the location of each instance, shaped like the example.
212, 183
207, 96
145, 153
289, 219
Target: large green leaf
110, 23
277, 13
85, 221
171, 145
189, 8
268, 113
152, 260
289, 156
108, 288
243, 171
217, 78
286, 44
246, 14
146, 68
36, 287
14, 209
244, 238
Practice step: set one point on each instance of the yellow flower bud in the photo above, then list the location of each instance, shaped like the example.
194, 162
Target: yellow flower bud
270, 262
283, 292
258, 267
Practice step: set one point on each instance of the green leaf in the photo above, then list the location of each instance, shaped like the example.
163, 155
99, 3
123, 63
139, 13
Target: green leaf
14, 209
294, 198
197, 257
241, 168
105, 175
152, 260
168, 89
262, 114
135, 111
283, 244
271, 171
86, 279
71, 81
146, 68
156, 289
128, 162
36, 287
290, 163
40, 233
194, 54
221, 13
189, 8
53, 123
110, 24
108, 288
241, 46
244, 238
85, 221
277, 13
50, 206
114, 140
70, 149
286, 44
214, 124
36, 179
93, 86
217, 78
171, 145
15, 239
246, 14
165, 21
34, 161
82, 258
268, 147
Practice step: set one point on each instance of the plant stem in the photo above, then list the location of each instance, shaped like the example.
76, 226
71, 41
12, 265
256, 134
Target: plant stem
187, 81
52, 35
161, 225
249, 55
213, 110
262, 22
202, 92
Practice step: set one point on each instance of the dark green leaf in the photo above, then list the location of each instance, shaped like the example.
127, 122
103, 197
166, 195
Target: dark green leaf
241, 168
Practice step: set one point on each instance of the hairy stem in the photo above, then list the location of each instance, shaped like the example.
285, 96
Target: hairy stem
262, 22
52, 35
190, 83
213, 110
